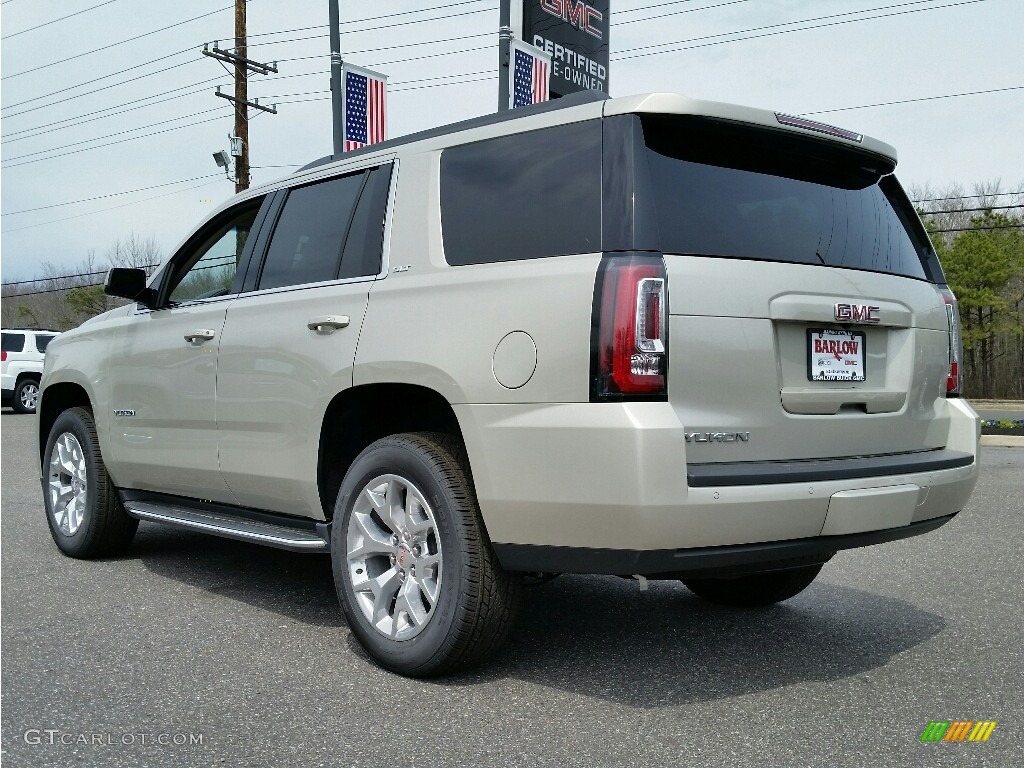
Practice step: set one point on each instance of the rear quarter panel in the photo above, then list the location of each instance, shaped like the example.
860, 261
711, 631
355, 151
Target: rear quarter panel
438, 326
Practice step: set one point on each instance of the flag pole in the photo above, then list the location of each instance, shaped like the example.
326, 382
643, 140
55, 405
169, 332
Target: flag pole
504, 49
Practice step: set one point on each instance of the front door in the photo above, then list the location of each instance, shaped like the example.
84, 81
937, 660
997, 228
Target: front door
163, 434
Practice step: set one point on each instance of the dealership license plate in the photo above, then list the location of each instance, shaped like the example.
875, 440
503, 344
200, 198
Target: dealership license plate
835, 355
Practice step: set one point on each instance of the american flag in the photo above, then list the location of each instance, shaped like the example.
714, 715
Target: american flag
529, 75
365, 98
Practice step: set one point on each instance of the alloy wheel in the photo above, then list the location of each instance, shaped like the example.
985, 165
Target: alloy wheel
394, 556
68, 483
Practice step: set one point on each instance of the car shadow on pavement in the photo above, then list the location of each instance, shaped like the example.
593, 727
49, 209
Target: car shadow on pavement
596, 636
291, 584
603, 637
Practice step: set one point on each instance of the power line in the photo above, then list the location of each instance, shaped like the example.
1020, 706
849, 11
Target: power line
436, 41
48, 290
111, 110
113, 45
97, 90
111, 194
967, 197
911, 101
676, 13
446, 53
75, 276
980, 229
971, 210
113, 208
377, 18
58, 277
368, 29
224, 261
54, 21
681, 47
26, 161
39, 130
10, 161
174, 66
111, 143
66, 99
321, 72
478, 79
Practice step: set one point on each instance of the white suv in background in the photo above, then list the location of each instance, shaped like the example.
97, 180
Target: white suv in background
21, 366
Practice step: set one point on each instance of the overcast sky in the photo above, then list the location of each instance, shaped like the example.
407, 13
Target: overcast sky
942, 47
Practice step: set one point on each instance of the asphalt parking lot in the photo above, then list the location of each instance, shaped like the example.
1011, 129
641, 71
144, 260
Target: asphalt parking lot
197, 639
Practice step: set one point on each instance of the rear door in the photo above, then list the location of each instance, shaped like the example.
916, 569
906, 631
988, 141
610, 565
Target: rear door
290, 339
804, 320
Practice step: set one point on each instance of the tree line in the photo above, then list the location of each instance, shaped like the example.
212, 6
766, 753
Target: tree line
64, 297
979, 237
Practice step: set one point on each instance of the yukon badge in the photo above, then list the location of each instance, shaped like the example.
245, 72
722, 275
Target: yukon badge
857, 313
123, 412
717, 437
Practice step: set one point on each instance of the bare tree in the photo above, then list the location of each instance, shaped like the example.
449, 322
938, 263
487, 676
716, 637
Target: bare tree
136, 252
61, 297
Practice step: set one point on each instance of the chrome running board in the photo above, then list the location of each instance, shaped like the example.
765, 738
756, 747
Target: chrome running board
295, 539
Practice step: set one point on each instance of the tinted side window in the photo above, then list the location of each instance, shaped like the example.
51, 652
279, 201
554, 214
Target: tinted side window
365, 242
525, 196
307, 242
13, 342
208, 269
42, 342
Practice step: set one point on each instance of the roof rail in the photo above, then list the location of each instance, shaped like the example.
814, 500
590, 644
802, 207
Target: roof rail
572, 100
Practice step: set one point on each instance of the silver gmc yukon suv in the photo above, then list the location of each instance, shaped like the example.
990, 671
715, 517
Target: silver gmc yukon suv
645, 336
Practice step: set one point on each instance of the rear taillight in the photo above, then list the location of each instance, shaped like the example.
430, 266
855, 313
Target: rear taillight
3, 356
955, 377
629, 359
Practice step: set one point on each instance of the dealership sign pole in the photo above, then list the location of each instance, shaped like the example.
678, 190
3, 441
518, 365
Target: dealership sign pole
574, 33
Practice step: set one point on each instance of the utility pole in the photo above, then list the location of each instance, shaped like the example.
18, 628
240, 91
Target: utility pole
241, 97
242, 67
336, 101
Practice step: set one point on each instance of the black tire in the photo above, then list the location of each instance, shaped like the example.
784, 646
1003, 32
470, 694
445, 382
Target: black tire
476, 599
755, 590
26, 390
105, 528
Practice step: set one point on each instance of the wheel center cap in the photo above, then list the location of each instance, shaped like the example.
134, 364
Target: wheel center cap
405, 557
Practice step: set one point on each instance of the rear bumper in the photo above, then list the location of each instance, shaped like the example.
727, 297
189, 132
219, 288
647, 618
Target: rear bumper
732, 560
612, 480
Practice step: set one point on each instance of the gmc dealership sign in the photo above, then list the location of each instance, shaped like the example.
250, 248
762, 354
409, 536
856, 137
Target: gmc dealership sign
575, 34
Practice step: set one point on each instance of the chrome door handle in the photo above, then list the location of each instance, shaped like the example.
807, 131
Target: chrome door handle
328, 323
195, 337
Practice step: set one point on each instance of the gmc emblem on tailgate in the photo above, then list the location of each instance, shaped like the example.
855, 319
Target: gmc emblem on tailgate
857, 313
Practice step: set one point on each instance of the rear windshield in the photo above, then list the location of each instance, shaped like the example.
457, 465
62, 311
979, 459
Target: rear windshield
729, 191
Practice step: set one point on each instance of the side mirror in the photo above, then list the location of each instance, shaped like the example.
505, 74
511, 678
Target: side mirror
127, 283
